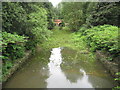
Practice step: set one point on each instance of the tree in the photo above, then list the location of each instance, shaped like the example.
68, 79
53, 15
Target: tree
75, 13
105, 13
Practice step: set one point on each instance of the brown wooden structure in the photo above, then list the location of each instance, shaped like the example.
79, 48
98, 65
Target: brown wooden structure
57, 22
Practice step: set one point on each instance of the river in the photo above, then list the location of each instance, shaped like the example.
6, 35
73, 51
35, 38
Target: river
61, 67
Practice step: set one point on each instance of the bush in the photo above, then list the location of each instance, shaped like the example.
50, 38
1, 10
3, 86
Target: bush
103, 38
22, 20
12, 46
14, 51
14, 17
39, 25
30, 44
5, 67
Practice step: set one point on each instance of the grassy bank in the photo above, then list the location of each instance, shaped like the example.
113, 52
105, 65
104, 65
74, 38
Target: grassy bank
66, 38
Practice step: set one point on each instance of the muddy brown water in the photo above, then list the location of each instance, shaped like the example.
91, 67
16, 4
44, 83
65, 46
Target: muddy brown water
61, 68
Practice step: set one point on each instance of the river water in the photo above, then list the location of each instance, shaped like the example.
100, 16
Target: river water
61, 68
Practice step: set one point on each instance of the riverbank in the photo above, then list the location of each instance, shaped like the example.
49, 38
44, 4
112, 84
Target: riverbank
17, 65
111, 66
78, 67
66, 38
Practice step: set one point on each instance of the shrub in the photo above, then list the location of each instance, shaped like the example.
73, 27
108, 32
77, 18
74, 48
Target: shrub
103, 38
12, 45
39, 25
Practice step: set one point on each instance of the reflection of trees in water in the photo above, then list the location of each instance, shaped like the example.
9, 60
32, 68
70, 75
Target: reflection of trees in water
99, 82
84, 61
41, 72
72, 74
74, 61
71, 71
32, 75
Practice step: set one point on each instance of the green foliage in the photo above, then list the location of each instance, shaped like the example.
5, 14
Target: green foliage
49, 8
117, 79
14, 51
73, 16
90, 13
14, 17
12, 38
1, 41
6, 66
104, 13
28, 19
24, 26
83, 28
116, 88
30, 44
118, 74
76, 13
62, 25
19, 17
103, 38
38, 22
13, 45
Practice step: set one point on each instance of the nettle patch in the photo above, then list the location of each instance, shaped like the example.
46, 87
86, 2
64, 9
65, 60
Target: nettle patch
103, 38
12, 48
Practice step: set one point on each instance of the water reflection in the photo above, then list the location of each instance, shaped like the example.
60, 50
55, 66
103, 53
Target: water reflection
32, 75
57, 76
69, 69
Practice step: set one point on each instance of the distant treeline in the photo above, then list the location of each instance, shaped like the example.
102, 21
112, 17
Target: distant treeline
89, 14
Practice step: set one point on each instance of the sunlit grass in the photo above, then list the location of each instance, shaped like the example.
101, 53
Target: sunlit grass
66, 38
63, 38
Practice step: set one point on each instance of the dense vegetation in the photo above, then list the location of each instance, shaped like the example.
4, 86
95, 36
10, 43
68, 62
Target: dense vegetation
97, 23
89, 14
24, 26
103, 38
27, 24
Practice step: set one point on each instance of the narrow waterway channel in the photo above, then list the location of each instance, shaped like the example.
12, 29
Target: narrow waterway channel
60, 72
61, 67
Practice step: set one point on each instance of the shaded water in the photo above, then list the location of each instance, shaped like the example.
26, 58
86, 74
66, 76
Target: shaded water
61, 68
